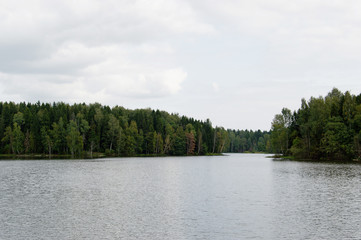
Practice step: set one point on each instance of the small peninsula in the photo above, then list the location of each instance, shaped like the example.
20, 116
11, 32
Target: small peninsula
324, 128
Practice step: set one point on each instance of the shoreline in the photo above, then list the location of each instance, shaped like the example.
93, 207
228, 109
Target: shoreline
291, 158
4, 157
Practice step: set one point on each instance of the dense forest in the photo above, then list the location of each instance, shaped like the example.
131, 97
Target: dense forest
85, 129
324, 128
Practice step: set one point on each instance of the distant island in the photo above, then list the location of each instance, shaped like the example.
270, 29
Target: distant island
93, 130
324, 128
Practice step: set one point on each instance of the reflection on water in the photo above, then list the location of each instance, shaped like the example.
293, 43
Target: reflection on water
241, 196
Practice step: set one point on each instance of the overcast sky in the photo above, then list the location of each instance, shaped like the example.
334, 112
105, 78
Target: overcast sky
236, 62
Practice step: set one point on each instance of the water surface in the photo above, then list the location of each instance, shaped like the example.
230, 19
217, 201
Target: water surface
240, 196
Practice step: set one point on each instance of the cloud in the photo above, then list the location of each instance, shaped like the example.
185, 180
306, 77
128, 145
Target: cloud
82, 73
215, 87
98, 21
108, 89
149, 83
294, 40
94, 47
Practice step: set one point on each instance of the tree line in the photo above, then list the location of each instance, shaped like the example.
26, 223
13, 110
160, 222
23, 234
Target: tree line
323, 128
85, 129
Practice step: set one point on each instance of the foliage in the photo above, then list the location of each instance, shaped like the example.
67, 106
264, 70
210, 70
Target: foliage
60, 128
325, 128
247, 141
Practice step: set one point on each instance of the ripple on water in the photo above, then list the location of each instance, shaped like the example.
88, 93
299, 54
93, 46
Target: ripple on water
241, 196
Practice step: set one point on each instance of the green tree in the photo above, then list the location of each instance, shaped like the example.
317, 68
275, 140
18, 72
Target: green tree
222, 140
83, 125
150, 142
19, 118
139, 142
8, 139
190, 139
128, 139
59, 136
18, 139
47, 140
113, 130
93, 139
169, 131
337, 142
134, 140
199, 142
349, 109
279, 131
27, 142
74, 139
159, 144
55, 128
98, 118
325, 128
179, 145
261, 145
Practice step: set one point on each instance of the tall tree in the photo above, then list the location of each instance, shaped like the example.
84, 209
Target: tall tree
47, 140
74, 139
113, 130
179, 145
18, 139
8, 139
190, 139
279, 131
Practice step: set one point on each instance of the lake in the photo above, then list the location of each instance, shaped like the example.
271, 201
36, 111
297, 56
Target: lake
239, 196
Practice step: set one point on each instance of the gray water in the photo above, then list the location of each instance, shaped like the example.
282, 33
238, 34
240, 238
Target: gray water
241, 196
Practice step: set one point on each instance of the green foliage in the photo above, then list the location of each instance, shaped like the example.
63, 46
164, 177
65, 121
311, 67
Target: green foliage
47, 139
8, 139
19, 118
129, 144
18, 139
323, 128
74, 139
247, 141
280, 131
113, 130
179, 144
60, 128
337, 141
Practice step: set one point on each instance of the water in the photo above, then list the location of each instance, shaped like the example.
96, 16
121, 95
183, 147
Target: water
241, 196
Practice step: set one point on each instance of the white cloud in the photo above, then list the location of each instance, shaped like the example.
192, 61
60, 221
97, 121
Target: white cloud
215, 87
94, 47
94, 84
97, 21
131, 82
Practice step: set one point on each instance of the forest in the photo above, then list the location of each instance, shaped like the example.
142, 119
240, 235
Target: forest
323, 128
86, 130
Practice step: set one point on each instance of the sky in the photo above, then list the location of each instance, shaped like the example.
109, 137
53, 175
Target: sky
236, 62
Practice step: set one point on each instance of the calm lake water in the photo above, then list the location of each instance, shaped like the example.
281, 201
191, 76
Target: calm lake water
240, 196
